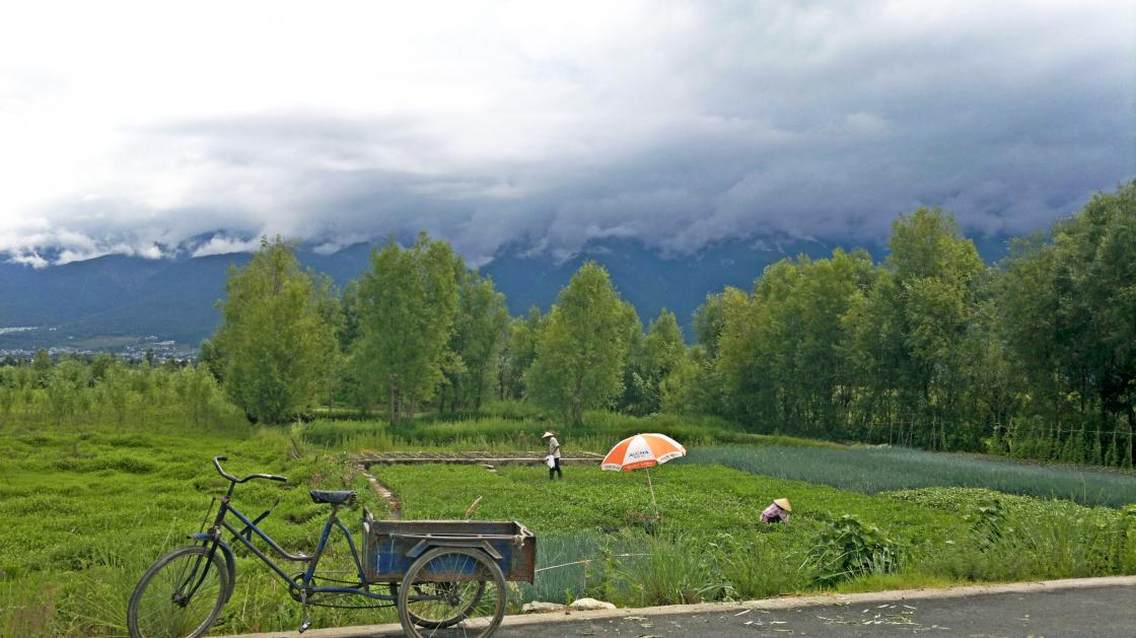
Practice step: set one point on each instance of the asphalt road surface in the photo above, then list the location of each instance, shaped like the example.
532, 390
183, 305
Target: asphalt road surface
1108, 612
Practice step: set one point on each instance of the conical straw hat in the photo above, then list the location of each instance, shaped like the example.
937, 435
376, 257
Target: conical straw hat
783, 503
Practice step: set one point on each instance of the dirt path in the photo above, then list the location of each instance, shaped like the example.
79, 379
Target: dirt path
394, 507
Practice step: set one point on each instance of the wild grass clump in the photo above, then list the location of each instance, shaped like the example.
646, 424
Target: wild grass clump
872, 470
1015, 537
674, 570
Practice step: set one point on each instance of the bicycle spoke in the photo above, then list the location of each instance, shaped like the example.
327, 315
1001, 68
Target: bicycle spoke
454, 593
179, 597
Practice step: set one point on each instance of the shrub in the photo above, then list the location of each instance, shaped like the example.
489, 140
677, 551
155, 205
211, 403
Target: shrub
847, 548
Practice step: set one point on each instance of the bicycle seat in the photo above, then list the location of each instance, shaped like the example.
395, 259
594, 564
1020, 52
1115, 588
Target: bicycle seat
333, 497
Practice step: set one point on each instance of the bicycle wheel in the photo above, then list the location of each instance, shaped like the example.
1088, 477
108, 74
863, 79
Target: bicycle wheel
452, 591
180, 595
442, 589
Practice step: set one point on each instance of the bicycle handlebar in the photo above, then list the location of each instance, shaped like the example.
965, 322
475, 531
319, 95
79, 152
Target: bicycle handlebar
217, 464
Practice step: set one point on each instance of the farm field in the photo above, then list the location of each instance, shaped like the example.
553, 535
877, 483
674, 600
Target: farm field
710, 544
879, 469
88, 509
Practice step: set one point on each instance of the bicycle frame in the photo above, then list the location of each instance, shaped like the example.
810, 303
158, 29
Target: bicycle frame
302, 583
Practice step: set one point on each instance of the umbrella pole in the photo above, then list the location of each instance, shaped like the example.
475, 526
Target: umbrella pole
651, 487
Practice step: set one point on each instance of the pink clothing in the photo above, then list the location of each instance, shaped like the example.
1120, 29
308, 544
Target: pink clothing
774, 514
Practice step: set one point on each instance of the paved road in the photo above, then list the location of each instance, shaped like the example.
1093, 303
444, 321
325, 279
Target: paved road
1108, 612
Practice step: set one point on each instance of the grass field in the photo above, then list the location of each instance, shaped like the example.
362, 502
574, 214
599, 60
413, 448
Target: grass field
871, 470
87, 511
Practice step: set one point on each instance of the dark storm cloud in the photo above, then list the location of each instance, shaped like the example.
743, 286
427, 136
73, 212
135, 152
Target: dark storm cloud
822, 120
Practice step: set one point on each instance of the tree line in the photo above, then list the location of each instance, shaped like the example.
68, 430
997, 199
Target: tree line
1033, 357
420, 331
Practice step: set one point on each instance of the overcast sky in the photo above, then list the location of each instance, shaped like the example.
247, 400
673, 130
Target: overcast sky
132, 127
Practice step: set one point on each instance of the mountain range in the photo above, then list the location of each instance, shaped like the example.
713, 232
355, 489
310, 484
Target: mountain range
116, 301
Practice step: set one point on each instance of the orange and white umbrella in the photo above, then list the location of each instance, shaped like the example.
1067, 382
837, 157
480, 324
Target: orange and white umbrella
642, 450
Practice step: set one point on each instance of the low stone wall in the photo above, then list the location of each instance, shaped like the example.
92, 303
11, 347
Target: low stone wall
368, 461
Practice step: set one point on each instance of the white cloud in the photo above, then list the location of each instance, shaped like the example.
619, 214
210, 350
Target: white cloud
29, 259
222, 245
130, 126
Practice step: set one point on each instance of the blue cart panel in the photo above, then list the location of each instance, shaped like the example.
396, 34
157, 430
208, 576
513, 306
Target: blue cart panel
390, 547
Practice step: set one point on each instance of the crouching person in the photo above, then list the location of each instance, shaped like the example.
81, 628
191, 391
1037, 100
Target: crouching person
777, 512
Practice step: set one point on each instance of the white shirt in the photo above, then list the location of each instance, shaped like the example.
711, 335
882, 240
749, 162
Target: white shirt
554, 447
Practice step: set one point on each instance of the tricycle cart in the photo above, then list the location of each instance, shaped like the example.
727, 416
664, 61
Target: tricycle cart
447, 573
447, 578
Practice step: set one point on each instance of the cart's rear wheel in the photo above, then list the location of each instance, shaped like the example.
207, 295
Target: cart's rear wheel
452, 591
425, 589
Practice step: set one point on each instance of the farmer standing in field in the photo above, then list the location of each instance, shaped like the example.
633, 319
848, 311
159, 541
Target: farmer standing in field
554, 455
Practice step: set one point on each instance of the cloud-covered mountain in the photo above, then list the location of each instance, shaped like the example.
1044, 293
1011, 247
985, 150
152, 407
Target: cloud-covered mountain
116, 300
655, 137
554, 125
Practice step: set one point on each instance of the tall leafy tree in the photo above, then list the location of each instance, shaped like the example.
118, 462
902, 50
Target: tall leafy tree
781, 348
709, 321
406, 305
1067, 306
583, 345
693, 386
478, 339
518, 354
276, 344
651, 359
906, 335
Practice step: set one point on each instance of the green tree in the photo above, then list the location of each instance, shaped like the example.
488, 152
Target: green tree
276, 340
41, 364
709, 321
781, 351
582, 347
478, 338
407, 304
9, 384
67, 390
1067, 304
651, 359
518, 354
693, 385
197, 394
115, 391
906, 334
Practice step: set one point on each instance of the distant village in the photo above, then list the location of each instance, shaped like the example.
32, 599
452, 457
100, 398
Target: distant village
150, 348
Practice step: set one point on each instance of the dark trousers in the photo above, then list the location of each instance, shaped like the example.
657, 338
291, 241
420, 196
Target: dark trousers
554, 471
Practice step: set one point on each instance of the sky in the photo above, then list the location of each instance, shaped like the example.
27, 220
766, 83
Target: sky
155, 128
